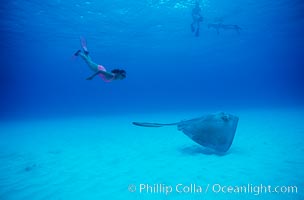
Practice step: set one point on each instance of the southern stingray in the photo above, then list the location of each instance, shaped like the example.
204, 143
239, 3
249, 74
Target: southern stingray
214, 131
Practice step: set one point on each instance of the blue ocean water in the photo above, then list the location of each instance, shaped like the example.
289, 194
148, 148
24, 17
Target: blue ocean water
169, 70
167, 67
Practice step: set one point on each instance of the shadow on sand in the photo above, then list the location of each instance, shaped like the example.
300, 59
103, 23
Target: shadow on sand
197, 150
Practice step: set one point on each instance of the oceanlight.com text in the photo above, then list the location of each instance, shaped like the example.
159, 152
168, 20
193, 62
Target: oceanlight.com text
254, 189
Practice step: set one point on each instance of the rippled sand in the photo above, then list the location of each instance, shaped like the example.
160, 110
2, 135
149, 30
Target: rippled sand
99, 157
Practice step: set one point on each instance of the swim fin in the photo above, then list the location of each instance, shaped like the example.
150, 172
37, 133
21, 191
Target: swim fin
192, 28
77, 53
197, 33
84, 45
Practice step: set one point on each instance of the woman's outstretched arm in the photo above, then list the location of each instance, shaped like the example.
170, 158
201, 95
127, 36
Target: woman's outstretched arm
106, 74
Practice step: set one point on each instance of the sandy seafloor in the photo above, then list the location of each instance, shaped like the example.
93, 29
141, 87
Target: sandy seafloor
98, 157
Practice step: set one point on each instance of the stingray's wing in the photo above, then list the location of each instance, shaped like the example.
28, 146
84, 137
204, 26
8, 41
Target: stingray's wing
215, 131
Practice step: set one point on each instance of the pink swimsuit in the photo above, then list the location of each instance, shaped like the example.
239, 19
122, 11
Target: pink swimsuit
102, 68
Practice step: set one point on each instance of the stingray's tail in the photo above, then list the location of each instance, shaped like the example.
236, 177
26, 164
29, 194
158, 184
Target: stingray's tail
147, 124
